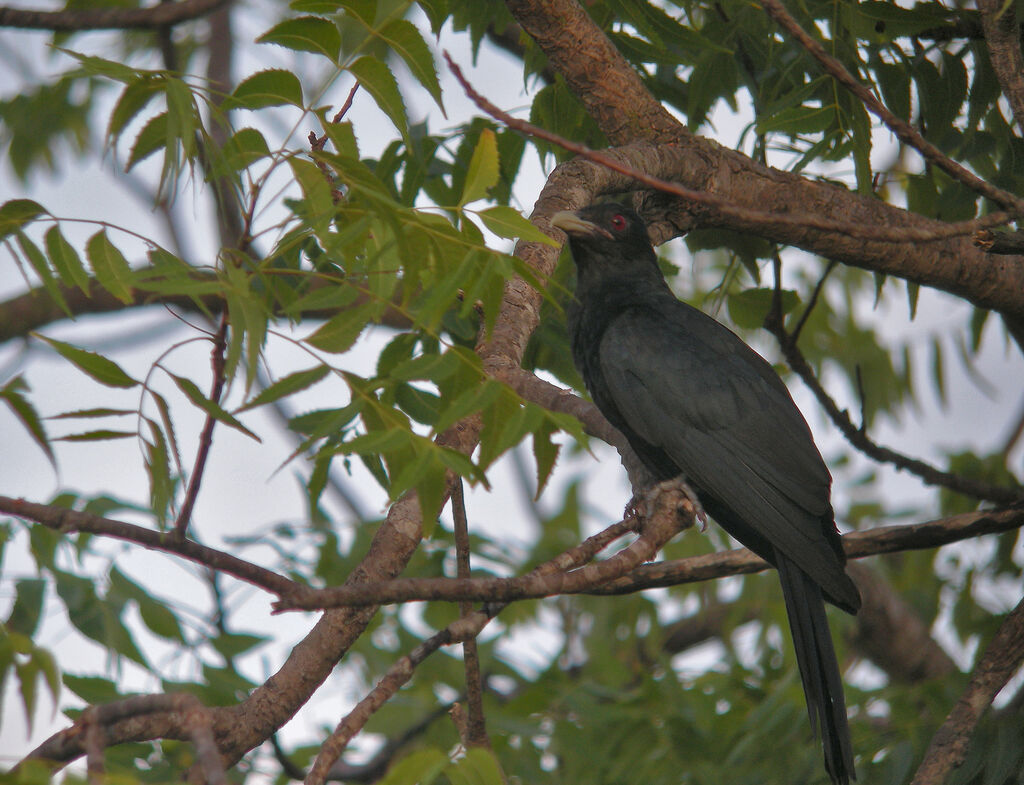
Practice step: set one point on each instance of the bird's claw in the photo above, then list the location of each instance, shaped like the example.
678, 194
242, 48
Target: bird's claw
644, 503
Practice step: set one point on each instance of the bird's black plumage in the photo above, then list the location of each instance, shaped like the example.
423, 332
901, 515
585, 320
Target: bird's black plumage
694, 400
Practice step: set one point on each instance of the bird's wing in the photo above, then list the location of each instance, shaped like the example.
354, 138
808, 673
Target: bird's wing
688, 385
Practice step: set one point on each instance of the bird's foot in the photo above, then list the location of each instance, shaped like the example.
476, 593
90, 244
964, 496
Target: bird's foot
675, 493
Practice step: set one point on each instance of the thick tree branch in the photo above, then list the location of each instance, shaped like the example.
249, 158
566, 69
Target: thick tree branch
1002, 35
702, 165
79, 20
1001, 660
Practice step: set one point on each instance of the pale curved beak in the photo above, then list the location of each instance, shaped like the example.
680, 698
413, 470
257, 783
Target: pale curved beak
574, 226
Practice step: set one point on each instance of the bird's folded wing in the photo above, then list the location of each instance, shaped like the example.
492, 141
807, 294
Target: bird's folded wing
694, 389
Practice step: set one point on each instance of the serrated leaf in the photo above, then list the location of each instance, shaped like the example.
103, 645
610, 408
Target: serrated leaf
509, 223
545, 453
194, 394
110, 267
100, 66
245, 148
293, 383
376, 78
158, 467
26, 413
273, 87
91, 689
38, 261
66, 260
403, 37
482, 172
100, 368
15, 213
338, 333
151, 138
90, 413
100, 435
306, 34
134, 98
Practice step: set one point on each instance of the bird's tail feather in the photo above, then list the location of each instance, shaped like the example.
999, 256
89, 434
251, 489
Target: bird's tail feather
819, 671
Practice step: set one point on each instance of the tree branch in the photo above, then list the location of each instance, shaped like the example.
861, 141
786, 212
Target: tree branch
904, 131
64, 520
740, 561
700, 164
1000, 661
1002, 36
79, 20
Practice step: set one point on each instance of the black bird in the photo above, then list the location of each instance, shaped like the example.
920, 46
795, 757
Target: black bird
695, 401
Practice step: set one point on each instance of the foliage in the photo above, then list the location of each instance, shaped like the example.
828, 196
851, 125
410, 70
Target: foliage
401, 244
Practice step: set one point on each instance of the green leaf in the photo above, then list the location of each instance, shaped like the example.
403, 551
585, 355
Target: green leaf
483, 169
92, 689
15, 213
306, 34
798, 120
151, 138
403, 37
42, 268
290, 384
100, 66
100, 435
232, 644
421, 767
509, 223
26, 613
245, 148
545, 452
212, 408
134, 98
479, 766
749, 308
273, 87
110, 267
341, 331
66, 260
159, 619
376, 78
100, 368
26, 413
158, 467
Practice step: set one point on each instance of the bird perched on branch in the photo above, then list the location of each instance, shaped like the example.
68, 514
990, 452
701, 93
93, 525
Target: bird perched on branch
694, 401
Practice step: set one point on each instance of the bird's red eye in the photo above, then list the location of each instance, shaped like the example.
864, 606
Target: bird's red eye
618, 222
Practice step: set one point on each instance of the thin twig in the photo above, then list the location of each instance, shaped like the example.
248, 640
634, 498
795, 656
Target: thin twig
858, 436
724, 209
206, 436
64, 520
476, 728
813, 301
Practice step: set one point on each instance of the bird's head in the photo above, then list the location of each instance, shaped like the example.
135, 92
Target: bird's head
607, 239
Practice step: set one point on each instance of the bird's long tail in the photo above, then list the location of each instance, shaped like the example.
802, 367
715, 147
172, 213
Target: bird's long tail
819, 671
